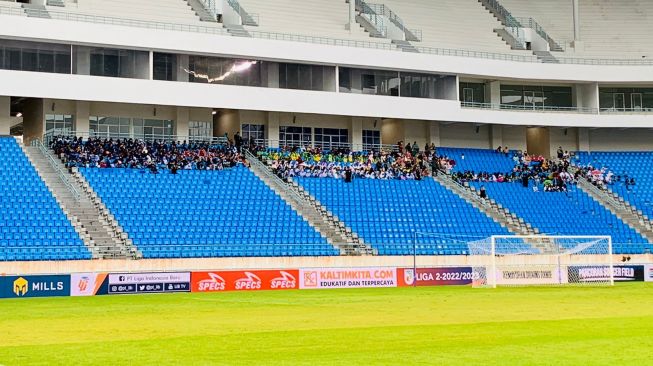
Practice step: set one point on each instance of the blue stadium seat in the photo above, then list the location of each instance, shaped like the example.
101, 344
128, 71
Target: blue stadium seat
33, 227
634, 164
387, 214
228, 213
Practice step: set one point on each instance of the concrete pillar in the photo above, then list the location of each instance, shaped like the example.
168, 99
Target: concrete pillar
576, 20
433, 131
351, 23
272, 129
577, 43
81, 118
583, 139
496, 136
143, 67
182, 63
356, 133
272, 75
33, 120
5, 115
330, 79
225, 121
493, 93
82, 60
151, 66
586, 95
181, 123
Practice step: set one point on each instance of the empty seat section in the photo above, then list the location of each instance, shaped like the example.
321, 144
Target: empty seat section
395, 215
228, 213
322, 18
32, 224
169, 11
478, 160
566, 213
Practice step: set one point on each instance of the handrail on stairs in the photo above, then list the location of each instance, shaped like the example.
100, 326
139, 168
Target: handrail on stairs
475, 197
57, 168
284, 186
596, 190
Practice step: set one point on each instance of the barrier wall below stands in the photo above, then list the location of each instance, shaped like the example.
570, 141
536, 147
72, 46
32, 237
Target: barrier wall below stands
102, 283
210, 264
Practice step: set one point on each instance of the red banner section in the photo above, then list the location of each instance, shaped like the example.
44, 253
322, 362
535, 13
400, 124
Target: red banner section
217, 281
348, 277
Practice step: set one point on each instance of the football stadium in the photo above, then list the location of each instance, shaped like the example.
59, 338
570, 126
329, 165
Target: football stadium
326, 182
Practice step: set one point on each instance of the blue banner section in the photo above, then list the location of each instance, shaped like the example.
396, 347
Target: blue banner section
34, 286
601, 273
132, 283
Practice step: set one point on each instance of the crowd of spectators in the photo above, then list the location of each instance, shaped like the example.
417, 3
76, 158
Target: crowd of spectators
552, 175
151, 155
603, 177
404, 163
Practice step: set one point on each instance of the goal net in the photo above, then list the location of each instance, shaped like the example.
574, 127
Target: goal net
542, 260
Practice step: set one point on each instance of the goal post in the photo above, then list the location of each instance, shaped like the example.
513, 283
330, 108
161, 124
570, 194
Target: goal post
554, 260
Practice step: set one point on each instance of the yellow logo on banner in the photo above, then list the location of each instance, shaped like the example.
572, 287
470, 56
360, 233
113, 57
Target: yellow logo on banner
20, 286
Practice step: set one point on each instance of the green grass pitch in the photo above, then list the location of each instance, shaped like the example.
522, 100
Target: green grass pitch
398, 326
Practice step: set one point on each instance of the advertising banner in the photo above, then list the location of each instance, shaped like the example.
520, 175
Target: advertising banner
600, 273
648, 273
86, 284
34, 286
539, 276
347, 277
131, 283
445, 276
217, 281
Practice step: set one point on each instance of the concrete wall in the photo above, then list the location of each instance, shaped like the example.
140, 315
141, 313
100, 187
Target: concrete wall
612, 139
514, 137
417, 131
199, 264
567, 138
226, 121
33, 120
465, 135
392, 131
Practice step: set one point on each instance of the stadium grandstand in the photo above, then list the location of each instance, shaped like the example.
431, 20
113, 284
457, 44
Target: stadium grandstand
185, 136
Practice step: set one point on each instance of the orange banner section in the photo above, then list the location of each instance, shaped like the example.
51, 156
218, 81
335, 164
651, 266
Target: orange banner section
216, 281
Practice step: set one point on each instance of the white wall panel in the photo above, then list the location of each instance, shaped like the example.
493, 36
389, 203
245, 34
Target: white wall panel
163, 93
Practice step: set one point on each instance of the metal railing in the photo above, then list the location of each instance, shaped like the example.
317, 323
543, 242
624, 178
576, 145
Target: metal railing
533, 24
626, 110
57, 168
510, 23
291, 193
211, 7
274, 144
536, 108
101, 19
322, 40
52, 134
379, 12
477, 54
292, 37
244, 15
